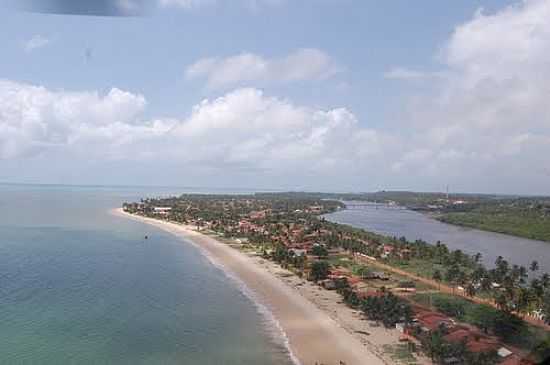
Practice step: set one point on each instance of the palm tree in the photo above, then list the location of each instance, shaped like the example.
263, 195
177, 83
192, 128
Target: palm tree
477, 258
437, 277
545, 280
471, 290
320, 270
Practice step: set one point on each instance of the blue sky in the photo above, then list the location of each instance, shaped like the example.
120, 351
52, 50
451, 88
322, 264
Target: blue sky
149, 54
364, 85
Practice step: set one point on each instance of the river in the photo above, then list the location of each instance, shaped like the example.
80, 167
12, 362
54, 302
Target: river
398, 221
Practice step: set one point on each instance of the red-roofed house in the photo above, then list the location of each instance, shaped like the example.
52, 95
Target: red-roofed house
515, 359
431, 321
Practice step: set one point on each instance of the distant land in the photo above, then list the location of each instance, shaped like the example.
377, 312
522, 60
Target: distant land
516, 215
435, 303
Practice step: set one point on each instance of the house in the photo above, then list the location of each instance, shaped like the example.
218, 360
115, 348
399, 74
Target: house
475, 340
404, 290
354, 280
298, 251
162, 210
245, 226
329, 284
380, 275
431, 321
405, 253
387, 250
363, 257
515, 359
258, 214
341, 271
315, 209
369, 293
504, 352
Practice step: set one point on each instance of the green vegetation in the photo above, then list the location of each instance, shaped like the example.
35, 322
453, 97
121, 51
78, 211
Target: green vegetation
518, 222
289, 229
443, 352
401, 353
527, 217
277, 221
319, 251
509, 328
386, 308
319, 270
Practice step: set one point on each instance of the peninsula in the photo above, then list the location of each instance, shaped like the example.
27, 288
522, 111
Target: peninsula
345, 295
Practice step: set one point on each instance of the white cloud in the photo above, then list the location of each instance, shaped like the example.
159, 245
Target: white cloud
33, 119
36, 42
242, 130
248, 128
401, 73
304, 64
191, 4
130, 7
186, 4
488, 118
483, 126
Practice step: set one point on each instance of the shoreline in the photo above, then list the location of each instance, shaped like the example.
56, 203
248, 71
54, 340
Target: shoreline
317, 327
440, 217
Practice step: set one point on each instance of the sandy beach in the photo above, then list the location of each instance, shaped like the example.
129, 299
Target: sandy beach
319, 327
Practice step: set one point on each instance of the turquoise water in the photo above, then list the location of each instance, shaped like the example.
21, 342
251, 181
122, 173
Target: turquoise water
78, 285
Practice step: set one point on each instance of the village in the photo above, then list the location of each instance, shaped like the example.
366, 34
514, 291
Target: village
445, 317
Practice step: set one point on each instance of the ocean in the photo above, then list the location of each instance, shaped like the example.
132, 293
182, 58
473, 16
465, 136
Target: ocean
81, 286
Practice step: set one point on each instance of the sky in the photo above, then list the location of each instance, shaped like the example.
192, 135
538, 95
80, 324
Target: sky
328, 95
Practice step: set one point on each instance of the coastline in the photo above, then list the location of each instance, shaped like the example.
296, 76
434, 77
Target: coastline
319, 328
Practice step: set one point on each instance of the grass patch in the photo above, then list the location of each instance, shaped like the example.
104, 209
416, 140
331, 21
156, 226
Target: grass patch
400, 353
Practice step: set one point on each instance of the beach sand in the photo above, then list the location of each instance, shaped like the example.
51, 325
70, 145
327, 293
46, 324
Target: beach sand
319, 327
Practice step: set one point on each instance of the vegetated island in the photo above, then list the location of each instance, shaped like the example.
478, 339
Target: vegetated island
442, 306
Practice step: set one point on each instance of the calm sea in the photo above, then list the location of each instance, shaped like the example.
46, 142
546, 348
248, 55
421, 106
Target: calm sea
80, 286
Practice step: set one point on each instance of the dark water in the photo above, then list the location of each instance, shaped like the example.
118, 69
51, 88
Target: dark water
80, 286
396, 221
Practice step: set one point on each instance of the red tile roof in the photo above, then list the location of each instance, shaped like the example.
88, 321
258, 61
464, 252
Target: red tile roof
475, 341
515, 359
432, 320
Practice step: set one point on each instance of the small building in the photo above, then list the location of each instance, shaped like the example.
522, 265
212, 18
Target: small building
431, 321
328, 284
162, 210
298, 251
372, 275
315, 209
504, 352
